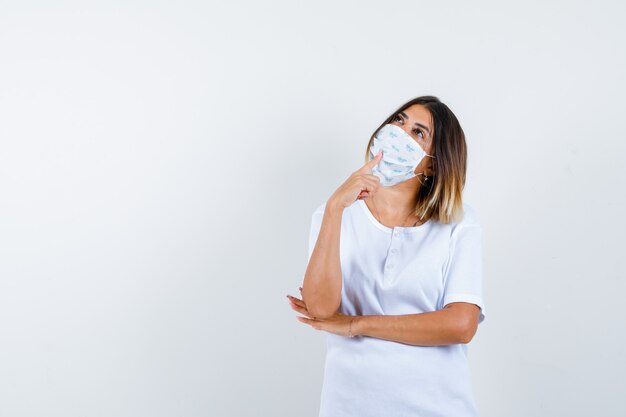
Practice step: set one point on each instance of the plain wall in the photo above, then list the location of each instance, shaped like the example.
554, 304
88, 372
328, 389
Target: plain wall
160, 161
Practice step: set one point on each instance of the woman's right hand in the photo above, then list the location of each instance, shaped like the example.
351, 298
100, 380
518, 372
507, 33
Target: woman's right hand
360, 184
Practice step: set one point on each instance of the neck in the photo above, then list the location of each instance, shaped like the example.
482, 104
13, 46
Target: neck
398, 199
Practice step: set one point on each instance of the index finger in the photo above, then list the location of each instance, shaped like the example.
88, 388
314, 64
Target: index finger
371, 164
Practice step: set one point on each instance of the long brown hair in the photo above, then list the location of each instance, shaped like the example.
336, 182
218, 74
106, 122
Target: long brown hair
440, 198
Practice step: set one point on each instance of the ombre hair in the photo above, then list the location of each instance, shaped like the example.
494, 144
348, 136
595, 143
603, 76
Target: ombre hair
440, 198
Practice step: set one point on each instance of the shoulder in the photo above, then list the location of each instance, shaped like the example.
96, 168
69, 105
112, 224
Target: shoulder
348, 212
469, 223
318, 213
470, 216
319, 210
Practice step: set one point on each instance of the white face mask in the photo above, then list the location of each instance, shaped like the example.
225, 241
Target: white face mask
401, 155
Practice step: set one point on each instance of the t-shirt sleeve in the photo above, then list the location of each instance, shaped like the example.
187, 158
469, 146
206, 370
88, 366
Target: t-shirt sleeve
464, 275
314, 231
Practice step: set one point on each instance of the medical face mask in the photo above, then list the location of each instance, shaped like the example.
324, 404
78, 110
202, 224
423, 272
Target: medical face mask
401, 155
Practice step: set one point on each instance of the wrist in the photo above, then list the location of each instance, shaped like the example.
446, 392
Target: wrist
358, 326
333, 206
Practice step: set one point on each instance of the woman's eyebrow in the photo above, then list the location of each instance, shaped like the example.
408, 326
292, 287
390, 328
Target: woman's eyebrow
417, 124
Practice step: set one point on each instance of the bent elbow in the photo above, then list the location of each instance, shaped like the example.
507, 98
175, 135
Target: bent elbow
322, 308
467, 333
321, 313
320, 305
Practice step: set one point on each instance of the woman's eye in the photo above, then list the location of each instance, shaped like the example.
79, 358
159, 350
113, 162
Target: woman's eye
417, 131
397, 118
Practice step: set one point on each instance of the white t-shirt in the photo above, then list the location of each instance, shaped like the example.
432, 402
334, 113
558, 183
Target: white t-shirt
393, 271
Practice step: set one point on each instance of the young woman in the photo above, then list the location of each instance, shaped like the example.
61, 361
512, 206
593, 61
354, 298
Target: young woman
395, 274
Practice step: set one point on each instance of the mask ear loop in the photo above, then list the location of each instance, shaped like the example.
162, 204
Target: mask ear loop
425, 176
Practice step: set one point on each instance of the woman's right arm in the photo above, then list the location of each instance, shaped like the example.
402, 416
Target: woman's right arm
321, 289
322, 280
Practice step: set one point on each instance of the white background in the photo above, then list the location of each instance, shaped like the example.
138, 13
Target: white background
160, 161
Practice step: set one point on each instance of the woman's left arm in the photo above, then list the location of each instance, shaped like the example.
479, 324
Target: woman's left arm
455, 323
